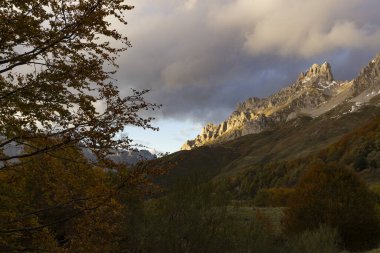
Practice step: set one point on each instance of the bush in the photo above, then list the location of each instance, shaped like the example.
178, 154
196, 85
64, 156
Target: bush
321, 240
328, 194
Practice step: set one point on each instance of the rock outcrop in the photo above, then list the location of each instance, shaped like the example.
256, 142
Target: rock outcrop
368, 77
313, 93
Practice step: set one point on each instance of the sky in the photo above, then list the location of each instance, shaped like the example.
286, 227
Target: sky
201, 58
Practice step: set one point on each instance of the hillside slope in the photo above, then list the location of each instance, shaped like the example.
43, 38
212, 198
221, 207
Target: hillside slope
297, 138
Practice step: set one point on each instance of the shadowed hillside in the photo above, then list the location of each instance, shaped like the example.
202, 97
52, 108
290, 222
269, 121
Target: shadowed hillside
298, 138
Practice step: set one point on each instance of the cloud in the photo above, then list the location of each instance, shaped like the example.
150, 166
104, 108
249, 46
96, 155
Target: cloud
301, 28
200, 58
190, 4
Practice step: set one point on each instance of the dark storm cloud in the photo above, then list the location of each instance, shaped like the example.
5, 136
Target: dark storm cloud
201, 58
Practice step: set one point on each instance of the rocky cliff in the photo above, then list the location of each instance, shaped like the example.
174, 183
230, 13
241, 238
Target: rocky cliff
313, 93
368, 78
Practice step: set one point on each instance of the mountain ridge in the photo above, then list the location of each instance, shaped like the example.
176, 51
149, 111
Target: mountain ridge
314, 93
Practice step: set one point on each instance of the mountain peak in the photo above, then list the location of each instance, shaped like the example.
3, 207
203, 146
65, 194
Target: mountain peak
369, 72
314, 93
323, 70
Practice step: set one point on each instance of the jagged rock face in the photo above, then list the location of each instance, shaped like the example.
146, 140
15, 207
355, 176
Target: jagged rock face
368, 77
311, 91
323, 71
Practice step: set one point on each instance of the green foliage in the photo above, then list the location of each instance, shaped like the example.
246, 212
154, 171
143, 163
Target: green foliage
359, 150
190, 219
272, 175
194, 217
328, 194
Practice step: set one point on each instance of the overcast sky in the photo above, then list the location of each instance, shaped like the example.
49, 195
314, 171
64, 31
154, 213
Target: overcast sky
200, 58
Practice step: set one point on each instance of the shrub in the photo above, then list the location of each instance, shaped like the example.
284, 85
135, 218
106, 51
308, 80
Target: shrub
328, 194
321, 240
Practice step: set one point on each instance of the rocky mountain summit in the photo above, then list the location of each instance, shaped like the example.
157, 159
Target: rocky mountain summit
315, 92
132, 157
128, 157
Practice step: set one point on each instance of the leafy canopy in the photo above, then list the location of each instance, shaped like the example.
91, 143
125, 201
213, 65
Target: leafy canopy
57, 59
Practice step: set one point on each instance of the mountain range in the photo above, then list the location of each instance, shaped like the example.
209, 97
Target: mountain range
128, 157
314, 93
287, 130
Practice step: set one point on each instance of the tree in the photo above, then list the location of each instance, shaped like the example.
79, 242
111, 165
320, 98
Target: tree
57, 59
197, 216
58, 94
74, 207
330, 195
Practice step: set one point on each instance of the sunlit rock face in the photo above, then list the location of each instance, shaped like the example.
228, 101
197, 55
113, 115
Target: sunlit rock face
368, 77
313, 93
